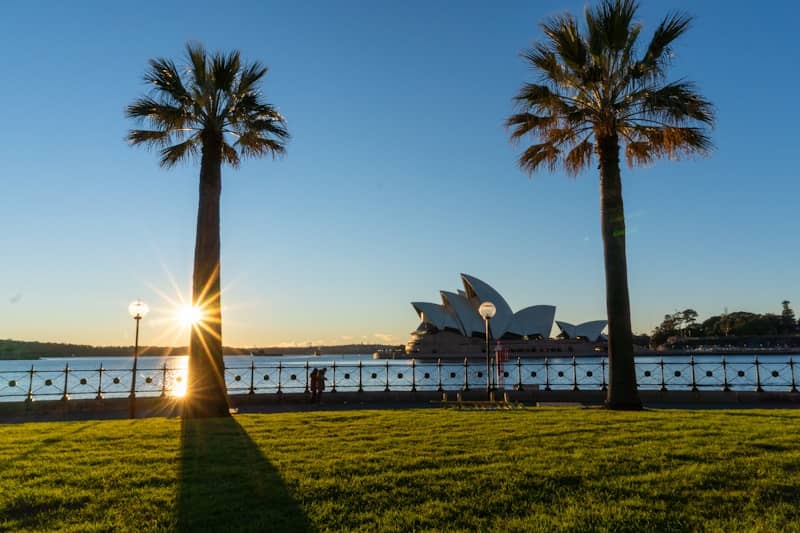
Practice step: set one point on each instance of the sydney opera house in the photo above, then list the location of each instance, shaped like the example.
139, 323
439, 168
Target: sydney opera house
454, 327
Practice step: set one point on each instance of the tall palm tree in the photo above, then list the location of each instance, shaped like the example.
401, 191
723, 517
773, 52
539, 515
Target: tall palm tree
211, 110
598, 91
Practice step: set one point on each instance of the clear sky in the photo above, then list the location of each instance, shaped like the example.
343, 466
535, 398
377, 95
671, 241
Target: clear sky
398, 177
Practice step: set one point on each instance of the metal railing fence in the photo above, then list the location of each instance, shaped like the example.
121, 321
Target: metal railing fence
667, 373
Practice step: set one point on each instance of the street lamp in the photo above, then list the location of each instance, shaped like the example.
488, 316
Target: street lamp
137, 309
487, 311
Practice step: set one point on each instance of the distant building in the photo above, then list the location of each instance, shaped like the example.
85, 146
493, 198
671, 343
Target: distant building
454, 327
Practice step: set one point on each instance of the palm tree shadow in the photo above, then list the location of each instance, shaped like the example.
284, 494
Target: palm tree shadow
226, 484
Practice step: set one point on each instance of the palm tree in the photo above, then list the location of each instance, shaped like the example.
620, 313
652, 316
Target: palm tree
598, 91
211, 110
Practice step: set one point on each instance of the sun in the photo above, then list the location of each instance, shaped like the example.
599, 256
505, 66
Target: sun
179, 388
189, 315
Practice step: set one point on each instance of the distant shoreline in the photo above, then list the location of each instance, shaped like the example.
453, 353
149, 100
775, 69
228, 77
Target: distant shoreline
33, 350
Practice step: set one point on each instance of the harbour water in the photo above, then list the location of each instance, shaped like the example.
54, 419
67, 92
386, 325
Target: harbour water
85, 377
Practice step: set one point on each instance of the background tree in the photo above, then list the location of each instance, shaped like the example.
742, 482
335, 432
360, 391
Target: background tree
599, 91
688, 319
211, 111
788, 322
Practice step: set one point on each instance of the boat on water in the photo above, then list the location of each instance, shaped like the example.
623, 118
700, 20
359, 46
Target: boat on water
390, 353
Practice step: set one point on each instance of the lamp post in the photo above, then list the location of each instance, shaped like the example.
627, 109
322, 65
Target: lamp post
137, 309
487, 311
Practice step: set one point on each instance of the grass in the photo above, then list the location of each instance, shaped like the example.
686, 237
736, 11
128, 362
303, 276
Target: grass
408, 470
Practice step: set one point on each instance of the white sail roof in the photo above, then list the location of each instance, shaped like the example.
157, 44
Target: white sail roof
467, 315
486, 293
436, 315
591, 330
534, 320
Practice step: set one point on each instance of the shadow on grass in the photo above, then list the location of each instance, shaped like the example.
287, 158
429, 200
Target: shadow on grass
226, 484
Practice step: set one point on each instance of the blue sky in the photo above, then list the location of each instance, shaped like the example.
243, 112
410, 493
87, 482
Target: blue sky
398, 177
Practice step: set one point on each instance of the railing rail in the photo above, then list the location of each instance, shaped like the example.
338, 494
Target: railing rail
666, 373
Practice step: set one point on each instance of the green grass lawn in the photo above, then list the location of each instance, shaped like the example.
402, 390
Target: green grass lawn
408, 470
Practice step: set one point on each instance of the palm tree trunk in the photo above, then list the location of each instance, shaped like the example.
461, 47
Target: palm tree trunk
206, 393
622, 392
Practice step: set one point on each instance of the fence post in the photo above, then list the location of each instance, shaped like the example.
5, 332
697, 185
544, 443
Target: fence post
280, 376
99, 395
307, 378
360, 374
603, 385
725, 386
253, 377
413, 375
466, 374
99, 382
791, 368
546, 374
29, 397
164, 380
439, 375
663, 380
386, 388
519, 373
333, 378
691, 365
574, 373
759, 388
65, 396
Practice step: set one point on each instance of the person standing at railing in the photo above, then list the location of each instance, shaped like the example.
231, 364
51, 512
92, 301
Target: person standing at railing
313, 384
320, 384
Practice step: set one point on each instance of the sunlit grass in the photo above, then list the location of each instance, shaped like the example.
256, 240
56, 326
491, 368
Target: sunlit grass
425, 470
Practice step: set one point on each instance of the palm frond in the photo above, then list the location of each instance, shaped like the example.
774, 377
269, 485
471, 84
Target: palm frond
675, 102
639, 153
150, 137
525, 123
579, 157
545, 61
539, 98
608, 25
162, 115
224, 69
172, 155
229, 155
250, 75
671, 141
196, 54
672, 27
252, 144
276, 128
566, 41
164, 75
544, 154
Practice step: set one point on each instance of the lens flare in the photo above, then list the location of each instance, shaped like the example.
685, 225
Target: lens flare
189, 315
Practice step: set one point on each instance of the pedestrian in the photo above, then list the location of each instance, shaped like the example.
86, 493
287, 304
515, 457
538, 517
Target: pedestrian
313, 384
320, 384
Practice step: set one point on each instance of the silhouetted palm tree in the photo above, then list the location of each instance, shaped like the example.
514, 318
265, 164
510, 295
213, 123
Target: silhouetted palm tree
213, 111
599, 91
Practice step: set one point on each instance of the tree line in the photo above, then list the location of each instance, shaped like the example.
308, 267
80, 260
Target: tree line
738, 323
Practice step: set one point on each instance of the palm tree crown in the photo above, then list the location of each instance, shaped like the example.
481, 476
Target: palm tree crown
598, 85
215, 102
